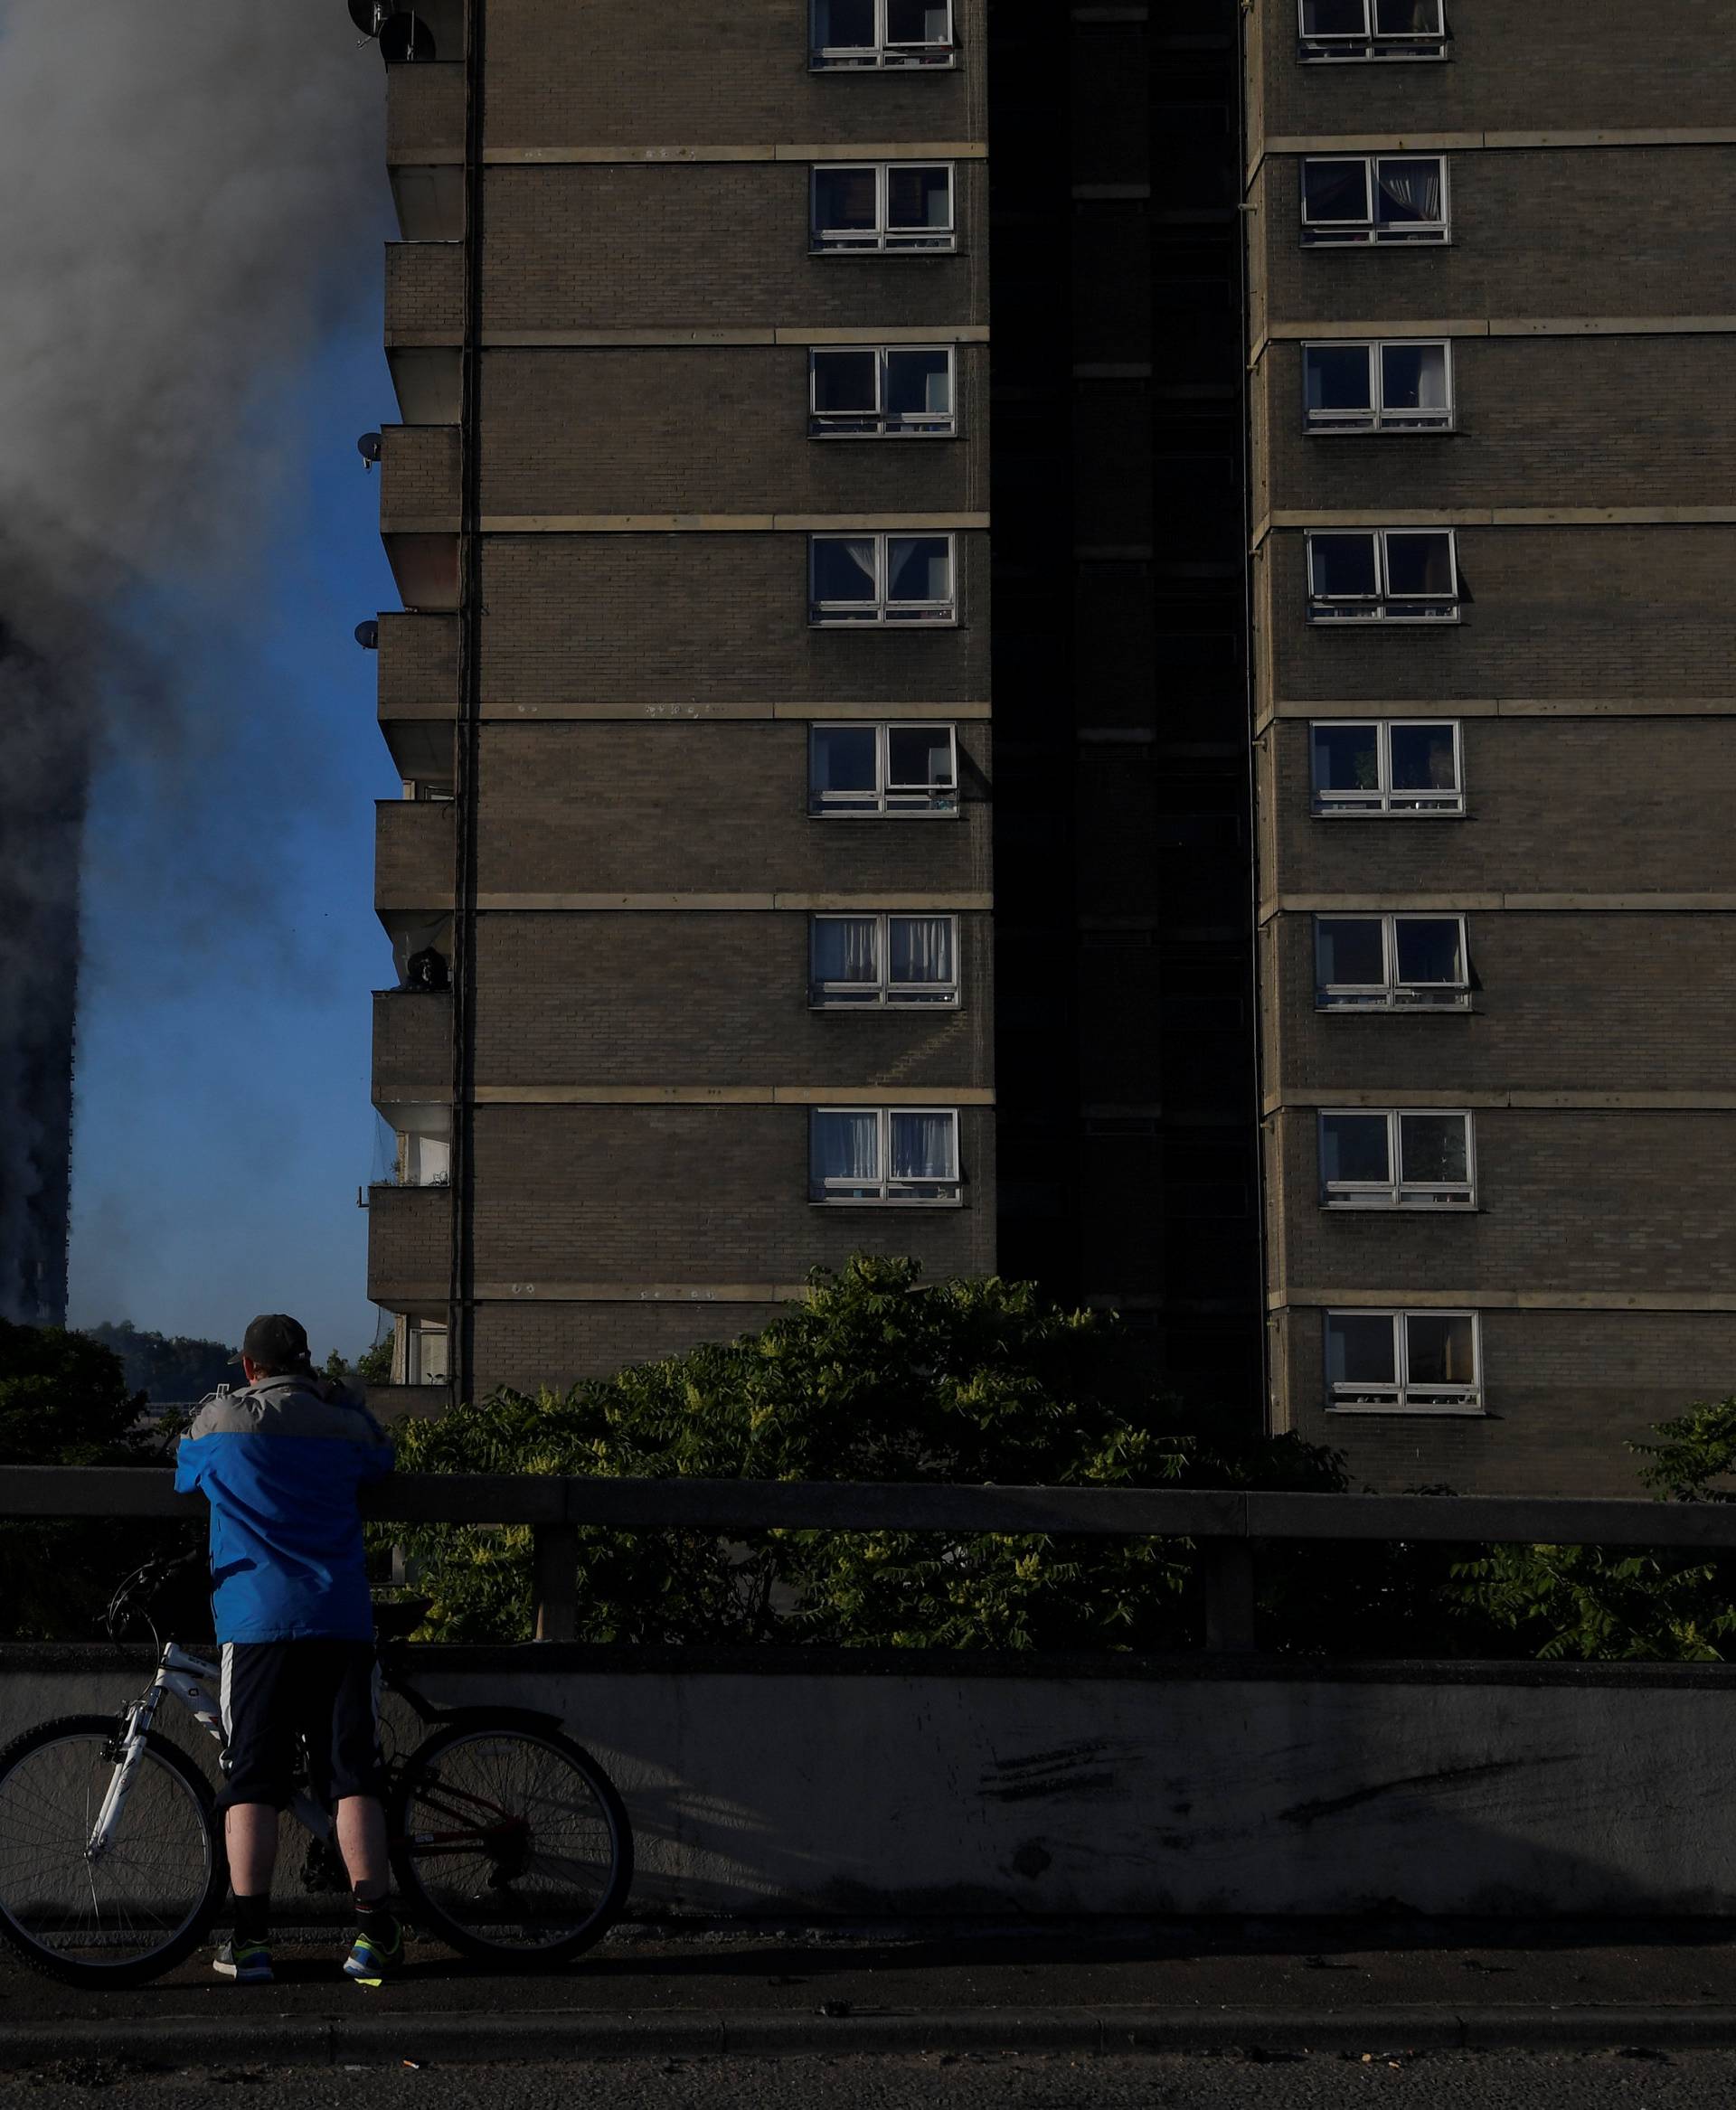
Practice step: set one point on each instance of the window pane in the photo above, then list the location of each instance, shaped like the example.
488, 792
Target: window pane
1413, 377
1440, 1349
920, 756
1347, 758
1419, 565
844, 380
919, 197
922, 1147
1423, 758
1340, 565
1414, 18
916, 22
1334, 18
1348, 950
1337, 377
1334, 191
844, 199
846, 948
1429, 949
1359, 1349
919, 568
921, 948
843, 758
1407, 191
919, 382
844, 1146
1432, 1147
843, 24
844, 568
1355, 1146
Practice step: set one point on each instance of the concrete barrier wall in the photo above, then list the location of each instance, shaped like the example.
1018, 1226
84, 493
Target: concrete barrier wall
865, 1787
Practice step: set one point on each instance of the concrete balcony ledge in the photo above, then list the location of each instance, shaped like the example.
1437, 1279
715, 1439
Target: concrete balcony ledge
415, 851
418, 479
409, 1247
390, 1403
412, 1047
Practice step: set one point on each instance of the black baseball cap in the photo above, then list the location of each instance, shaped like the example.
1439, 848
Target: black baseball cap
275, 1339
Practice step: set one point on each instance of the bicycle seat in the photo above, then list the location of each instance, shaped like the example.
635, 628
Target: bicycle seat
398, 1620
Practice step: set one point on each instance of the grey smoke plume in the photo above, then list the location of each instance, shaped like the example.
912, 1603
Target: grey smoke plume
189, 196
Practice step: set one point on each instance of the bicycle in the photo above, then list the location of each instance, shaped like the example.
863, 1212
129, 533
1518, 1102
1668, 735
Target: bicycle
508, 1840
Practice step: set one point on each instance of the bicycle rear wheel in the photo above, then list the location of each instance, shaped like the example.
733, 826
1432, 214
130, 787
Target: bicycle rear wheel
135, 1909
510, 1842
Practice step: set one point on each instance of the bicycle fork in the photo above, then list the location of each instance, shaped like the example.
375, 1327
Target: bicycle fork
188, 1677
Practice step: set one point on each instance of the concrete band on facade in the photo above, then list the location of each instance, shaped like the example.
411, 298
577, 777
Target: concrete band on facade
1484, 142
640, 1293
1581, 1102
679, 712
730, 1095
1514, 516
679, 340
795, 903
832, 150
1497, 1300
1620, 325
1508, 707
1476, 899
713, 523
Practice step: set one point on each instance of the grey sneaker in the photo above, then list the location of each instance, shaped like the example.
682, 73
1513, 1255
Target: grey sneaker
246, 1963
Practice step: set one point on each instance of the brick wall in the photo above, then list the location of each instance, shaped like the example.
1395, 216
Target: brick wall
414, 850
412, 1045
702, 999
708, 429
410, 1246
424, 109
418, 664
424, 292
528, 1344
419, 474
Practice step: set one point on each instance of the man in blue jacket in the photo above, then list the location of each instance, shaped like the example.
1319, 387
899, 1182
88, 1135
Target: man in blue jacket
281, 1462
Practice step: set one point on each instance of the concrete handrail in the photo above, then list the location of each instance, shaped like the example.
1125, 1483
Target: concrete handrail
1225, 1520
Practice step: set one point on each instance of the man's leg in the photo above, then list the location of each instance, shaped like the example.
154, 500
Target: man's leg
362, 1840
257, 1760
251, 1835
356, 1780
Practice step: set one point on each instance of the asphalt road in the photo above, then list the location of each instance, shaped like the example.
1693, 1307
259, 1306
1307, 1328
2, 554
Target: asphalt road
1440, 2081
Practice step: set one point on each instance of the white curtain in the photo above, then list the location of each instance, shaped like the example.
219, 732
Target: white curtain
846, 949
922, 1147
1414, 186
921, 948
846, 1147
844, 568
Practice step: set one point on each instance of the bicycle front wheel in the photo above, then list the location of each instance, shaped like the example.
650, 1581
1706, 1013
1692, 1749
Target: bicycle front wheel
510, 1842
125, 1910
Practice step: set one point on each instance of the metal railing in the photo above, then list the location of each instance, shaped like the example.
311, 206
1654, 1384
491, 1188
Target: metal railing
1226, 1524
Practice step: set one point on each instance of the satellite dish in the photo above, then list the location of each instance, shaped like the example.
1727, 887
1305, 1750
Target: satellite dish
404, 36
367, 636
367, 15
368, 447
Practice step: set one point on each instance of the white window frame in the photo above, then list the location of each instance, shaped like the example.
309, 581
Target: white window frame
918, 802
882, 994
881, 237
1397, 1193
1391, 994
1372, 44
854, 614
1381, 801
1368, 231
883, 51
1377, 418
890, 1194
1402, 1396
880, 423
1382, 606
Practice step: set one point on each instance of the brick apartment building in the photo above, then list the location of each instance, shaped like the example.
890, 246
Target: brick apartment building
728, 963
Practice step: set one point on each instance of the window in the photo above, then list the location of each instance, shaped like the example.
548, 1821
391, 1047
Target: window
1384, 574
1396, 1160
883, 769
1388, 766
883, 960
1425, 1362
884, 205
883, 1154
1375, 197
882, 578
881, 33
1378, 386
1391, 962
891, 391
1373, 29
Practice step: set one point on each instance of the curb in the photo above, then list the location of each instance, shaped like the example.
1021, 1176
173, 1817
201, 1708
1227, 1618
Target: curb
572, 2034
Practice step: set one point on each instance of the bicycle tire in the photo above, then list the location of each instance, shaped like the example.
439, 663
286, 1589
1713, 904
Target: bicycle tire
417, 1792
137, 1970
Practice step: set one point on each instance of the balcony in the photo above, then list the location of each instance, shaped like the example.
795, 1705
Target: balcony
424, 294
418, 694
415, 852
412, 1047
419, 512
425, 114
390, 1403
410, 1248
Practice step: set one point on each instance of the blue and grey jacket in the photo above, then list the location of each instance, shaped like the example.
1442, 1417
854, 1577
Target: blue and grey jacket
279, 1462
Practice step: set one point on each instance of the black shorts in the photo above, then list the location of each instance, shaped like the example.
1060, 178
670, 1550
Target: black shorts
275, 1692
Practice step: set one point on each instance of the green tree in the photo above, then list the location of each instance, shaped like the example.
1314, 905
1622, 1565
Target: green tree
176, 1368
875, 1377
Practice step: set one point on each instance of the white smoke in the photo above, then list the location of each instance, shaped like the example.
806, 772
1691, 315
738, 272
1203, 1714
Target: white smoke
191, 196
